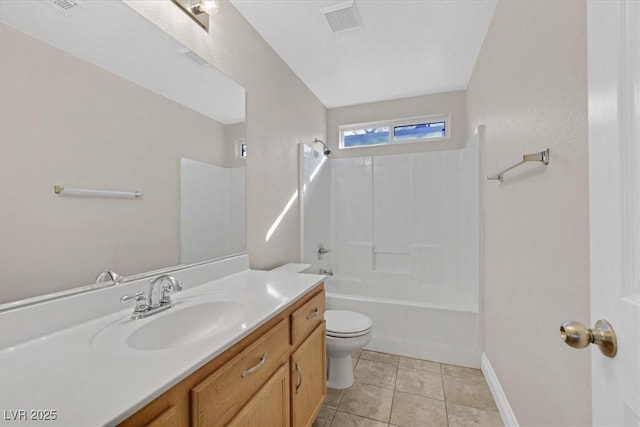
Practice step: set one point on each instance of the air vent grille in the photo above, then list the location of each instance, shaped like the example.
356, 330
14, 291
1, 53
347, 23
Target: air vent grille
342, 17
193, 56
66, 7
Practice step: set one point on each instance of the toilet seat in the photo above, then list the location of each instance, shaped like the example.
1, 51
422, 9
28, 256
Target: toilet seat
352, 335
346, 324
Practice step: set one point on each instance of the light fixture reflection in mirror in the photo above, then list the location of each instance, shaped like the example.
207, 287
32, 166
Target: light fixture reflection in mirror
199, 10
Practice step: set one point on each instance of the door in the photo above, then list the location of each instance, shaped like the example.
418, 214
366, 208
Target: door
614, 192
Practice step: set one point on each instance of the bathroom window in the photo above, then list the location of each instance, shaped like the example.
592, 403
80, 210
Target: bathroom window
416, 129
241, 148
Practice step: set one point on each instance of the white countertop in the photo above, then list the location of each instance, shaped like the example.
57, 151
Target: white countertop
88, 383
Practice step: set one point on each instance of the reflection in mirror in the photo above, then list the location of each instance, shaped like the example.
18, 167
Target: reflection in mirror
98, 97
199, 10
212, 204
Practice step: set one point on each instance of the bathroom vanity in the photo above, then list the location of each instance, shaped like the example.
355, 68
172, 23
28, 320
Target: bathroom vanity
239, 347
274, 377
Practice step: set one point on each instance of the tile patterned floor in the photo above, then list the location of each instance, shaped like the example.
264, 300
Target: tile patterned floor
399, 391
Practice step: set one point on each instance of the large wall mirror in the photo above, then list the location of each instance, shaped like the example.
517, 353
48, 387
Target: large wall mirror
96, 97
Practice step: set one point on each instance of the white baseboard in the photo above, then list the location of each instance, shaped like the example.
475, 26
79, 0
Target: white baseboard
508, 417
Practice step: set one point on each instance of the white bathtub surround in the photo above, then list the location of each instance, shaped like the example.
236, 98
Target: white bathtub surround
414, 216
508, 417
315, 199
204, 218
405, 241
51, 363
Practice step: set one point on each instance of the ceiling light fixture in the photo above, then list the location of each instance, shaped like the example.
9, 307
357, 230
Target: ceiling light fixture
199, 10
207, 6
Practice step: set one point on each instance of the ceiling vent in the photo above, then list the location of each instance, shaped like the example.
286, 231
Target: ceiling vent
342, 17
193, 56
67, 7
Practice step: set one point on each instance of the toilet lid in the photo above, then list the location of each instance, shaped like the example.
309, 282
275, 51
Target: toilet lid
345, 323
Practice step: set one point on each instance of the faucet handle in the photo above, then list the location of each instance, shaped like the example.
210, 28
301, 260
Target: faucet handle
167, 288
139, 298
322, 251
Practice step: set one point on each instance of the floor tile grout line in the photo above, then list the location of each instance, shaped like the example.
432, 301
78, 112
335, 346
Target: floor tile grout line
418, 394
364, 416
476, 408
364, 381
333, 416
361, 416
395, 387
444, 395
357, 415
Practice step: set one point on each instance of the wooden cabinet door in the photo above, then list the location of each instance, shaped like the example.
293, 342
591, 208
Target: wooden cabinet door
269, 407
308, 378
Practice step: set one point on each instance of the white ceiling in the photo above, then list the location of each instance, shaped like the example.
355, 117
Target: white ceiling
403, 48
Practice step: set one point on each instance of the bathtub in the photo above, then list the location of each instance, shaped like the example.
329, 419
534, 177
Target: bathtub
426, 322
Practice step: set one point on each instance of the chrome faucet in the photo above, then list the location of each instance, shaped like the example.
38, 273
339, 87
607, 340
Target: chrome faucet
109, 276
146, 307
164, 299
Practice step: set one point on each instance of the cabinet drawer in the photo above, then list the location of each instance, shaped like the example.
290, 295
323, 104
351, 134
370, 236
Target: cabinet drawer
217, 398
307, 318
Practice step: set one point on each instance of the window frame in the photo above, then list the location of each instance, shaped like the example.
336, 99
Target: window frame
392, 124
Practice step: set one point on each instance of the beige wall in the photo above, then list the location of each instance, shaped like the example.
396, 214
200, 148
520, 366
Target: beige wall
281, 112
529, 88
65, 121
453, 103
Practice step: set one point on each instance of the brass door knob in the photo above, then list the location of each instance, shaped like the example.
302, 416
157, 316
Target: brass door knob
576, 335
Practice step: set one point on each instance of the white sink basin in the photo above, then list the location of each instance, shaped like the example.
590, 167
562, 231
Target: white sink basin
184, 324
180, 326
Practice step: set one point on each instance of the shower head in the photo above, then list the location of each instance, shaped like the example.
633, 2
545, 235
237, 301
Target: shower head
327, 149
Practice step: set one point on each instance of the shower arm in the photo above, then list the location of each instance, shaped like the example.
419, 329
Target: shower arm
327, 149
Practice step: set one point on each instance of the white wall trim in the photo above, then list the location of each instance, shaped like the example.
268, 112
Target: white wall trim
508, 417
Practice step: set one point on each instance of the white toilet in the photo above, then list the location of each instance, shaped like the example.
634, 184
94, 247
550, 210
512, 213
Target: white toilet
347, 331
